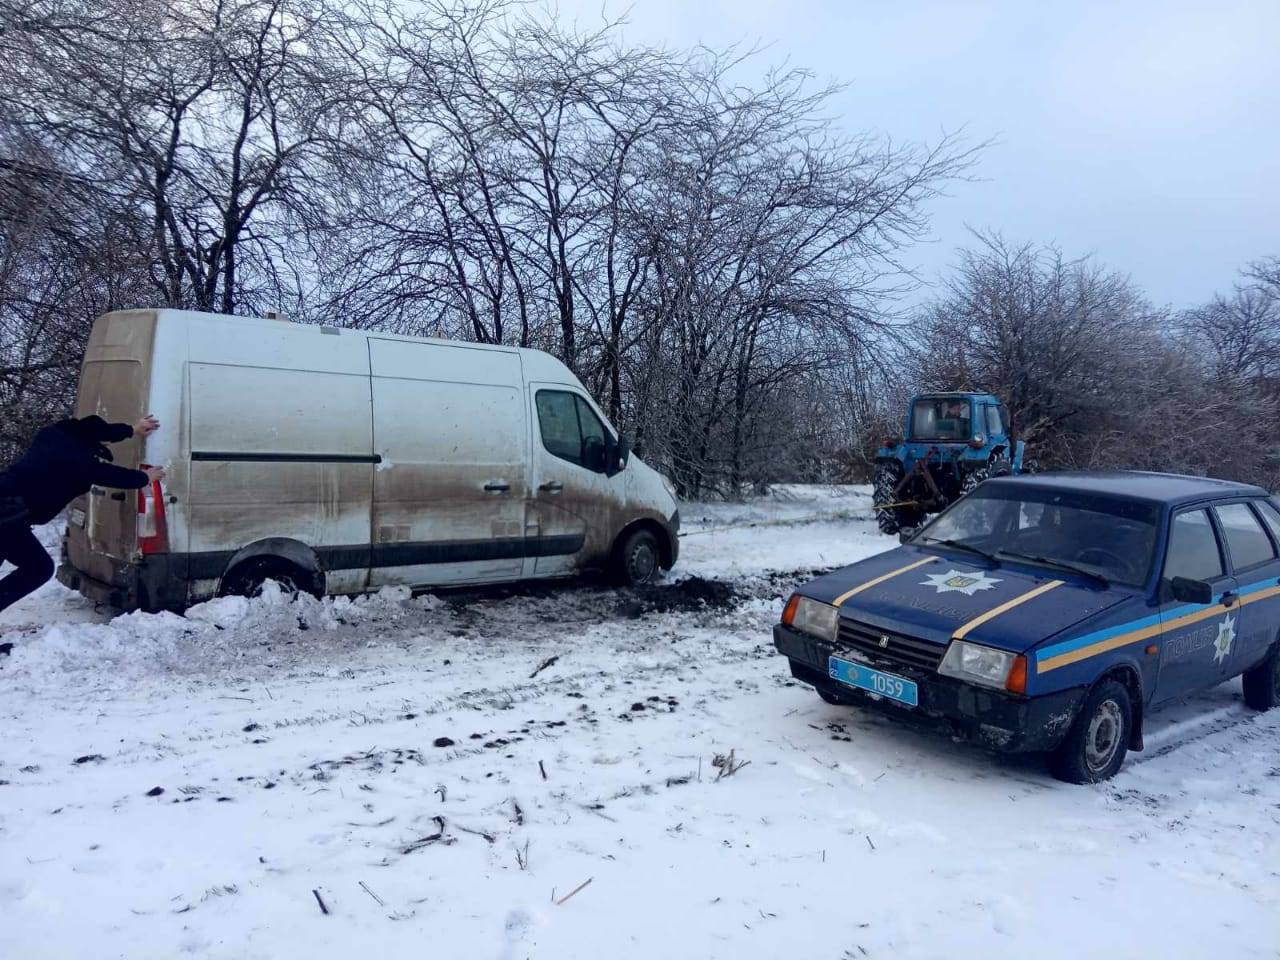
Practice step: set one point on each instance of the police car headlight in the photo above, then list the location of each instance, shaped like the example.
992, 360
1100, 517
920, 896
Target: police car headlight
813, 617
977, 664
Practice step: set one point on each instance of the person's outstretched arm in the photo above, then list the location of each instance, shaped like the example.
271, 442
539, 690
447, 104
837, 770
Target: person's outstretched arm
109, 475
103, 432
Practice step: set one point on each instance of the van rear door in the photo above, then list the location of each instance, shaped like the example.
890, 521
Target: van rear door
114, 384
449, 494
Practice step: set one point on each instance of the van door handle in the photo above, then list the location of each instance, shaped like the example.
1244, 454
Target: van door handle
497, 486
1229, 599
118, 495
552, 486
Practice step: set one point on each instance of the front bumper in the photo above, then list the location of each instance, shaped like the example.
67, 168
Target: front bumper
997, 720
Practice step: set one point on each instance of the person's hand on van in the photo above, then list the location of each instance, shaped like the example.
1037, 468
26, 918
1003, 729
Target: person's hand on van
146, 426
154, 474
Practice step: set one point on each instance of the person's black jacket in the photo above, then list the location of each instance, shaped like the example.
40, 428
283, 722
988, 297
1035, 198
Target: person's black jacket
65, 460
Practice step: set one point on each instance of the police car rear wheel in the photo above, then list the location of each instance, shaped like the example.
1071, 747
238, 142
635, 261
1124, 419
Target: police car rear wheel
1097, 742
1262, 683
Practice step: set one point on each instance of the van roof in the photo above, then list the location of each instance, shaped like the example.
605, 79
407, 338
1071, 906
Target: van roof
539, 365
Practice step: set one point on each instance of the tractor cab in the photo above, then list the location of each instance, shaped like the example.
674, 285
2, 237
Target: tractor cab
950, 443
942, 419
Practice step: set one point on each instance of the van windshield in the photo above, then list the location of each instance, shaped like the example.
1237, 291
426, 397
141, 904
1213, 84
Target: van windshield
1105, 537
941, 418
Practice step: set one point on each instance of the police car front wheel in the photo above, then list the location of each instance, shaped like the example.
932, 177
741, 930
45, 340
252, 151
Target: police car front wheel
1097, 742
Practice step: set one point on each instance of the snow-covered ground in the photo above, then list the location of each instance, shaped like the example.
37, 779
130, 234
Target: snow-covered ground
532, 773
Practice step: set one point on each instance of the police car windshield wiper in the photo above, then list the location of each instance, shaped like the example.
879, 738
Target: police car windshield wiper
1059, 564
960, 545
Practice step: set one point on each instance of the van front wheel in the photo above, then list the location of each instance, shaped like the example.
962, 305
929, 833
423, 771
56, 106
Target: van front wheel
639, 558
248, 578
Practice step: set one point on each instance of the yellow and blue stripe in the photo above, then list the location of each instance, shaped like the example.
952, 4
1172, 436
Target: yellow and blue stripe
1088, 645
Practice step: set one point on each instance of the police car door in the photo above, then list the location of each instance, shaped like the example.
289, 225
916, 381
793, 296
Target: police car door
1194, 637
1256, 567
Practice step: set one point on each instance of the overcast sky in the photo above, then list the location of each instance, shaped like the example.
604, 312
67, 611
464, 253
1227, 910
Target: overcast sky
1147, 133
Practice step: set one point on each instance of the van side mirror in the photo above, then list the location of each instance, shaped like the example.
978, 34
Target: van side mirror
1186, 590
621, 454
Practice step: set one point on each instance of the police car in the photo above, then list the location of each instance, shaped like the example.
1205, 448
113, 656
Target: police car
1052, 612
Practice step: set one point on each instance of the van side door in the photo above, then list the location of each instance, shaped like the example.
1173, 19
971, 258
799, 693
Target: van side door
575, 503
1256, 567
449, 495
1195, 640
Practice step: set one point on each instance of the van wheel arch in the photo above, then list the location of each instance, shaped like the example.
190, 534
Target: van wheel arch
275, 554
666, 553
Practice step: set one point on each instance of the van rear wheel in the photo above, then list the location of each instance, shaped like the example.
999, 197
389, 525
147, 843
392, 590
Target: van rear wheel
248, 578
639, 558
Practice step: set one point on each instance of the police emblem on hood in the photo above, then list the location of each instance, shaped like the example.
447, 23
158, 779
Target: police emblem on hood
967, 582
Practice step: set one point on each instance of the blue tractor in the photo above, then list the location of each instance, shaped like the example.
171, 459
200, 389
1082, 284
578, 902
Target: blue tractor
950, 444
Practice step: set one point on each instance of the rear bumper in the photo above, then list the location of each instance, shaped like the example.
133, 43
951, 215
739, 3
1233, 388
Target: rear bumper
150, 584
996, 720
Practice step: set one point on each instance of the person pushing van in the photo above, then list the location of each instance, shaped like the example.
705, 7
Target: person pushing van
64, 461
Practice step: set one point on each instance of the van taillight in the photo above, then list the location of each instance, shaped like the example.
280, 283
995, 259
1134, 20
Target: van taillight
153, 537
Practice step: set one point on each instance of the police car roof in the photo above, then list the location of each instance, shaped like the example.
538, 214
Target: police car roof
1167, 488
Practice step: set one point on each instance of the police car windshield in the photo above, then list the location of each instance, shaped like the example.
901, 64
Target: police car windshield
941, 418
1109, 538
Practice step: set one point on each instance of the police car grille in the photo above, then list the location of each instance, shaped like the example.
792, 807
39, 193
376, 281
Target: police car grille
899, 649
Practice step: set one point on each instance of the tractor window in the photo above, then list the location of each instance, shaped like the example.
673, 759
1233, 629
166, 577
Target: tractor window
994, 427
941, 418
1193, 548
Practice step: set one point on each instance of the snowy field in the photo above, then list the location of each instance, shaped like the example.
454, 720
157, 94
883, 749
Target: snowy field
533, 773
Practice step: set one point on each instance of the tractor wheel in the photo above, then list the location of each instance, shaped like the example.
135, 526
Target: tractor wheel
888, 476
1000, 467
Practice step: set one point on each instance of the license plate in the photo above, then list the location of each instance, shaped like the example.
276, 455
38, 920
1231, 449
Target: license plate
886, 685
77, 517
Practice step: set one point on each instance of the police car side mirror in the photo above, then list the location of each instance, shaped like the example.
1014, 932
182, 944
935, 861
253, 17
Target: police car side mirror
1186, 590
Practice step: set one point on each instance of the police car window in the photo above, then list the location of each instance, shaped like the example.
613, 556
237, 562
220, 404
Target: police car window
1270, 516
994, 427
1193, 548
1247, 542
1114, 538
558, 421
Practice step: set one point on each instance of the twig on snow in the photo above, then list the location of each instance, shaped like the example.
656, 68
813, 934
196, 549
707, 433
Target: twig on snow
561, 902
550, 661
479, 833
376, 898
729, 765
519, 814
320, 900
429, 839
542, 770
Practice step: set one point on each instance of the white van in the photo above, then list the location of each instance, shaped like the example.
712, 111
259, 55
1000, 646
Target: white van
338, 461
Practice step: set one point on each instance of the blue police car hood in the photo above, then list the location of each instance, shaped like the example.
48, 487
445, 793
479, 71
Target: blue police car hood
931, 595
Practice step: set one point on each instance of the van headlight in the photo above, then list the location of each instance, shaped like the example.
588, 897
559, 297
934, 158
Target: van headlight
813, 617
978, 664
